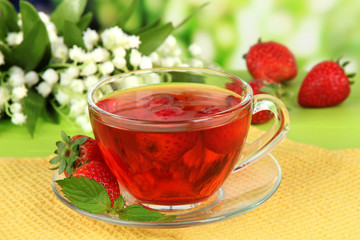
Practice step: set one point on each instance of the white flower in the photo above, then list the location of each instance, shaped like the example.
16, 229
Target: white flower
77, 85
2, 58
62, 98
132, 42
90, 38
52, 32
169, 61
77, 54
65, 78
135, 57
72, 72
152, 78
119, 62
14, 38
15, 107
170, 42
90, 81
130, 82
77, 107
31, 78
84, 122
50, 76
155, 58
18, 118
196, 63
17, 76
44, 17
119, 52
145, 63
88, 69
19, 92
19, 21
112, 37
44, 88
195, 50
16, 70
100, 54
59, 49
106, 68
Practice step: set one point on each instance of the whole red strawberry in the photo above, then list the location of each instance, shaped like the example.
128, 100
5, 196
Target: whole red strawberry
271, 60
325, 85
101, 173
88, 151
75, 151
257, 85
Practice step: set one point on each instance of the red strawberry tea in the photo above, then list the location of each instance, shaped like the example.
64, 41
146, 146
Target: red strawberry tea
188, 147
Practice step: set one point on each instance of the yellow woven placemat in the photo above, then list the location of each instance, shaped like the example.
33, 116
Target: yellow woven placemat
319, 198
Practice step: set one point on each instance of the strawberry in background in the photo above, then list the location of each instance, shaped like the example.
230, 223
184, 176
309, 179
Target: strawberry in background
271, 60
325, 85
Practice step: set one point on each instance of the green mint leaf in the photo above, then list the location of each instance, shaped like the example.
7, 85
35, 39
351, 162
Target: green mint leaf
73, 35
8, 19
67, 10
85, 21
119, 203
36, 46
86, 194
152, 38
140, 213
33, 105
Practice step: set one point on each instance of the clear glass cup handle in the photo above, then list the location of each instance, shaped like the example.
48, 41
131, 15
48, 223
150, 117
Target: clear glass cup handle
270, 139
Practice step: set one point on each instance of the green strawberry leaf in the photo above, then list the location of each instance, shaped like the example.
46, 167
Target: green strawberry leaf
152, 38
67, 10
86, 194
33, 105
73, 35
8, 19
140, 213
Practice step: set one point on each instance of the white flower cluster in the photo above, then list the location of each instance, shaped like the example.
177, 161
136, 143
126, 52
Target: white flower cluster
113, 51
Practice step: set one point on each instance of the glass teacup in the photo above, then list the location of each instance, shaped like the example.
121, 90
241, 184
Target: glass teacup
172, 136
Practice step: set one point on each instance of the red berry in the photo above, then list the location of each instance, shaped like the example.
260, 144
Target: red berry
256, 85
160, 99
226, 138
271, 60
167, 113
165, 147
89, 151
211, 110
325, 85
101, 173
75, 151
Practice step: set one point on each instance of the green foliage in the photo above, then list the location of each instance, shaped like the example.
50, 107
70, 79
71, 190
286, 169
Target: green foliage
73, 35
33, 105
68, 10
89, 195
8, 19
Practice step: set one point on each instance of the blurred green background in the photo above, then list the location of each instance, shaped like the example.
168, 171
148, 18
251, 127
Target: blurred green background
225, 29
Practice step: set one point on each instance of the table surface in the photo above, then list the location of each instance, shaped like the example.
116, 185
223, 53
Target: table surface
331, 128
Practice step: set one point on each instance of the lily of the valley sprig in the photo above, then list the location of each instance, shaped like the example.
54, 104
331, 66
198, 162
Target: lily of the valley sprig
49, 62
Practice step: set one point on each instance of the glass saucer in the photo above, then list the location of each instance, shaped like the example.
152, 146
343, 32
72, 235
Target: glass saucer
243, 191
